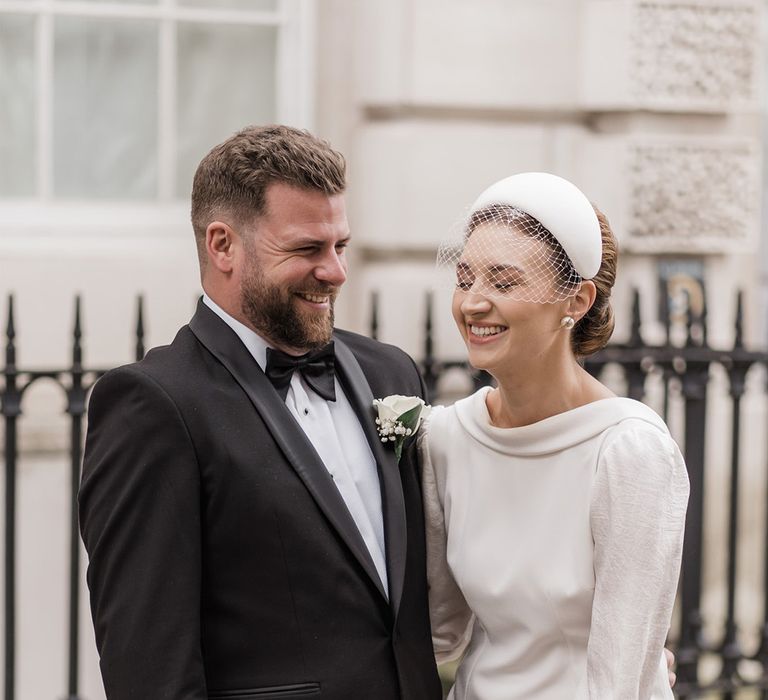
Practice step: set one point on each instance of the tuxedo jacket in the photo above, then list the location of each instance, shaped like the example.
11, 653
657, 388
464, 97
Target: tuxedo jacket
223, 562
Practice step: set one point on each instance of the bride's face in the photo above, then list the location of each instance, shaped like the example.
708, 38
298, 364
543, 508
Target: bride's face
498, 271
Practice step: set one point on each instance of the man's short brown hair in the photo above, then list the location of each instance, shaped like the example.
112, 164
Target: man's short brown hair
232, 180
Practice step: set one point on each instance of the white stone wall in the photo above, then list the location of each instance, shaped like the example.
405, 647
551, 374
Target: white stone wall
650, 106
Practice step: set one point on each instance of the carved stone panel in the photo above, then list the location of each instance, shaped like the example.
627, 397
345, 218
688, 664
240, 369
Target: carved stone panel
692, 196
695, 52
671, 55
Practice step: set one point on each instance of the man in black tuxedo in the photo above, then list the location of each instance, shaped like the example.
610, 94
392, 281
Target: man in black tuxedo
249, 534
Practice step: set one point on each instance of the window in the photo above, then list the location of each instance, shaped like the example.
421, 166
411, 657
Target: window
114, 102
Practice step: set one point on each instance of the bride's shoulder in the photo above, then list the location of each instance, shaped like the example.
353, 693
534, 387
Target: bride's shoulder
438, 419
445, 419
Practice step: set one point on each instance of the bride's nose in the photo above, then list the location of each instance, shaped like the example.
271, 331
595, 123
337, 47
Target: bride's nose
475, 302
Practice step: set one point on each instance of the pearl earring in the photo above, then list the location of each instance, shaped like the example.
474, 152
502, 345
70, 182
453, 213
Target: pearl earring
567, 322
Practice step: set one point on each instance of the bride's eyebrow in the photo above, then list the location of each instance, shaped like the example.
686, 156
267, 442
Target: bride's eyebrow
502, 269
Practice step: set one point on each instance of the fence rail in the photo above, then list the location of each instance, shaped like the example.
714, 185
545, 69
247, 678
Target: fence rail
683, 369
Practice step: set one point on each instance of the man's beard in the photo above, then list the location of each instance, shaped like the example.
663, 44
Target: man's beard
276, 314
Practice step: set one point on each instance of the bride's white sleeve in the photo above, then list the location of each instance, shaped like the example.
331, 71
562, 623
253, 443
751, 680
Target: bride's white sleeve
449, 614
637, 517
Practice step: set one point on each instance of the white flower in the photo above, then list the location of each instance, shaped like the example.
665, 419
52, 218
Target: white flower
399, 417
394, 406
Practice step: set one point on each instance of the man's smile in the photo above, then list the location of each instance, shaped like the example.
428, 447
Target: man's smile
314, 298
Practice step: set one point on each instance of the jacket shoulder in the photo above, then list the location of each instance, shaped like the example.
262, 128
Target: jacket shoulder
164, 365
389, 369
368, 349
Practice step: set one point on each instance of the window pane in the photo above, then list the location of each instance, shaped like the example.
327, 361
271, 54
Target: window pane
264, 5
105, 108
226, 81
17, 106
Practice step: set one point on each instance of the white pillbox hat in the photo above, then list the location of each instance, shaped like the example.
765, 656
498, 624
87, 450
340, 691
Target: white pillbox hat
559, 206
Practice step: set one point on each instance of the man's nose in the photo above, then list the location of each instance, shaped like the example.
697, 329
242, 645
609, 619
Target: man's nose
332, 269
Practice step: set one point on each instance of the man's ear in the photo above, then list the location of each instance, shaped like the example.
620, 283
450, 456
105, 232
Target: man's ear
582, 301
220, 243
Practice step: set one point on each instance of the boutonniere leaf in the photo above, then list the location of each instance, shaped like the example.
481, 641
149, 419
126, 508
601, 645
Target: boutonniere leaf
399, 417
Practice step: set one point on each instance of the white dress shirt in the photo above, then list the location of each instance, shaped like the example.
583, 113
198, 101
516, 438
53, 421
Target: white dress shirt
335, 432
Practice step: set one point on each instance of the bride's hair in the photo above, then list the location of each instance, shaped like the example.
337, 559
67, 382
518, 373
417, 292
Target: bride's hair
594, 329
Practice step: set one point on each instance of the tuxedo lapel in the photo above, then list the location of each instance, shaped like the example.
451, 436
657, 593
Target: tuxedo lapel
224, 344
358, 392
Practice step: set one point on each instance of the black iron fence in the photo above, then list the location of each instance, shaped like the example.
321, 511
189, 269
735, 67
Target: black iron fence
75, 381
721, 667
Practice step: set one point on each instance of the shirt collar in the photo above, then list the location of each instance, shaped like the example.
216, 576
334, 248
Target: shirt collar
255, 344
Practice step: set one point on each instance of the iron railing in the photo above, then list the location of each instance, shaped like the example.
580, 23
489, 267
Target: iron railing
684, 371
75, 381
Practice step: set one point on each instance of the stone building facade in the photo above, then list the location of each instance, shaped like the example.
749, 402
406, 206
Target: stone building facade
653, 107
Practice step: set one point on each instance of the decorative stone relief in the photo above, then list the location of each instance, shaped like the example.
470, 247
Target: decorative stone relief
698, 52
693, 197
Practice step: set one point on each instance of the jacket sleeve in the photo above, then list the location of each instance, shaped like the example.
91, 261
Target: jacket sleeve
141, 524
450, 616
637, 516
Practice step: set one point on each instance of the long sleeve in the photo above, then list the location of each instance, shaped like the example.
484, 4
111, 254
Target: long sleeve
141, 524
637, 516
449, 614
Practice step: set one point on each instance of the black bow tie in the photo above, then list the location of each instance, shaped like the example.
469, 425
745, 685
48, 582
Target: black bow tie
317, 369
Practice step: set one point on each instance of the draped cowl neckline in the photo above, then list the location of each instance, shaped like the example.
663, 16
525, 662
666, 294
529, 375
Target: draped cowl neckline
552, 434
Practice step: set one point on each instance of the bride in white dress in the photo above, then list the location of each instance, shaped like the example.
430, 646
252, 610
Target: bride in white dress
555, 509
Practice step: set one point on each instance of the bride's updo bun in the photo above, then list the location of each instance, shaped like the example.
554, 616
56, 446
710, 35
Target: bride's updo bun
594, 329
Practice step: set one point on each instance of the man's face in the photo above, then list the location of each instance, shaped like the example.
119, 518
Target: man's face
294, 266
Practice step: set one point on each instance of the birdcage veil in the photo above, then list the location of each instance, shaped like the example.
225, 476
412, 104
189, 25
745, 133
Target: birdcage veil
502, 251
530, 237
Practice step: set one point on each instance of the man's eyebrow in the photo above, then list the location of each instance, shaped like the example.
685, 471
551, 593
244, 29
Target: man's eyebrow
311, 241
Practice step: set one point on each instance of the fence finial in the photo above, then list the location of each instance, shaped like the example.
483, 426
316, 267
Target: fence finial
77, 334
635, 337
374, 329
738, 337
140, 327
10, 333
429, 345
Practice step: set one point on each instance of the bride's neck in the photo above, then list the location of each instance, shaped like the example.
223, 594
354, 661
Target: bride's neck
529, 395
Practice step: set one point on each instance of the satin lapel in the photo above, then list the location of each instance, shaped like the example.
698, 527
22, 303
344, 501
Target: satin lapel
224, 344
392, 502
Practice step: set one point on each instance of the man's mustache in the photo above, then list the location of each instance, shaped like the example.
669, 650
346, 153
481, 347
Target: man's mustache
331, 292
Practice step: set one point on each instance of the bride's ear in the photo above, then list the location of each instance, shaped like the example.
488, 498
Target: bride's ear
582, 301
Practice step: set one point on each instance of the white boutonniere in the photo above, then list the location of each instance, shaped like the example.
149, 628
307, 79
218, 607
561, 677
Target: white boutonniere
399, 417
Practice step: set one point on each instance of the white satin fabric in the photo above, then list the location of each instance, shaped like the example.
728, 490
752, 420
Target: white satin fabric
553, 550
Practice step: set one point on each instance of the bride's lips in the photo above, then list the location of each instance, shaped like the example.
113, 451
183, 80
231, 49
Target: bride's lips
484, 333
